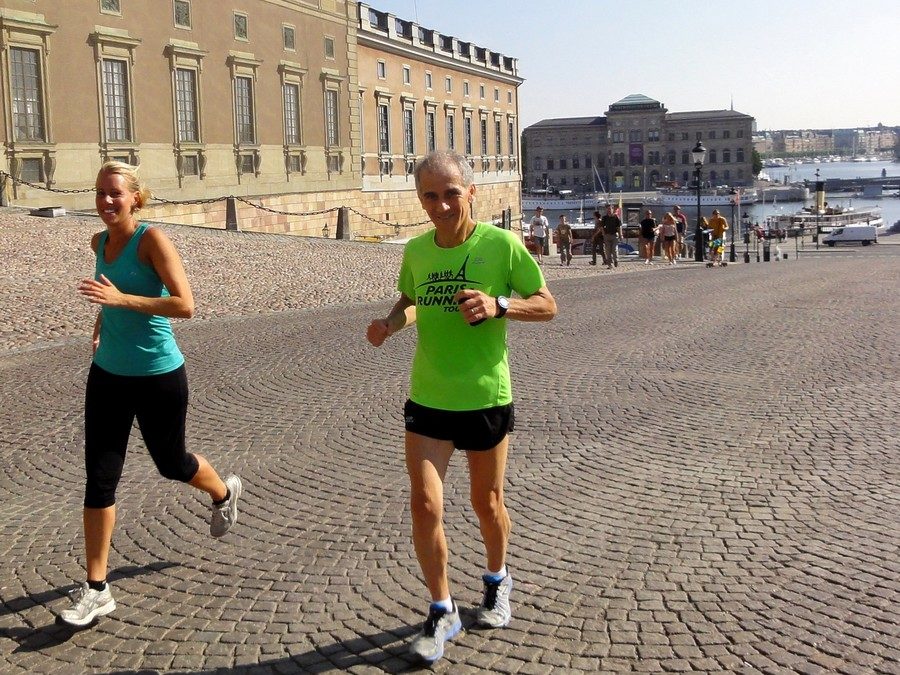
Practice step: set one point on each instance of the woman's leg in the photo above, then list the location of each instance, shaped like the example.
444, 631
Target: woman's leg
98, 529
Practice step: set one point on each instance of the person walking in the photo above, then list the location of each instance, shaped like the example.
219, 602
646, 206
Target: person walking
137, 372
611, 225
718, 226
539, 228
564, 240
597, 239
455, 281
668, 230
649, 229
681, 228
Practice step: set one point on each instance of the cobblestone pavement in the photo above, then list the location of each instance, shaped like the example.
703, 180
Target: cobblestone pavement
704, 477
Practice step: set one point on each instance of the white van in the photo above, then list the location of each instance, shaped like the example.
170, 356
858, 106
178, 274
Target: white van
852, 234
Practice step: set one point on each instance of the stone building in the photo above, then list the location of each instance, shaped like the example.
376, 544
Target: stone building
635, 146
276, 102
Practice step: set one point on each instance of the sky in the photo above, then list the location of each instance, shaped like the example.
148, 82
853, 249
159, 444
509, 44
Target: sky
791, 64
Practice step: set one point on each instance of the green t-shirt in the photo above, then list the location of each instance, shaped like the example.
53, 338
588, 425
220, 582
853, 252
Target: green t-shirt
458, 366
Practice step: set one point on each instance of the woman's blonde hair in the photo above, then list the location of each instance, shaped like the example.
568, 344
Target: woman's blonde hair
133, 181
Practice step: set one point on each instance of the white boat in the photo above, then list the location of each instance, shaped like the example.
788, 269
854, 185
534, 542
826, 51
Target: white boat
708, 197
561, 203
828, 219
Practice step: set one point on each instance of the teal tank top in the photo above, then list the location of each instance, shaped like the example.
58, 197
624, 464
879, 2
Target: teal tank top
132, 343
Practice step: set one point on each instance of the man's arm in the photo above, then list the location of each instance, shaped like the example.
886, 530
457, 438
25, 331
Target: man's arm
402, 314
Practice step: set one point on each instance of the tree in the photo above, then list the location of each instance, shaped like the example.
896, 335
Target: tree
756, 161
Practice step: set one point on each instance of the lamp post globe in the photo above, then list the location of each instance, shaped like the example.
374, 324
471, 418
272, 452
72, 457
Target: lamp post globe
698, 154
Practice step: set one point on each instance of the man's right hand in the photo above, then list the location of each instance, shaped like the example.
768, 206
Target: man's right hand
378, 331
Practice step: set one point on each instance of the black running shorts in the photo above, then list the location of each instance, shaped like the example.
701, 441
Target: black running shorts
468, 429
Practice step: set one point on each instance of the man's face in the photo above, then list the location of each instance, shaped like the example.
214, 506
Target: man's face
445, 199
609, 210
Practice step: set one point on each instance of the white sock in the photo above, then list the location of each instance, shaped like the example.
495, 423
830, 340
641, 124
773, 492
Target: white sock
501, 574
446, 604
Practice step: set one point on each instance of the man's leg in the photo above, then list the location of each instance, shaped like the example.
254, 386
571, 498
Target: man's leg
487, 470
426, 463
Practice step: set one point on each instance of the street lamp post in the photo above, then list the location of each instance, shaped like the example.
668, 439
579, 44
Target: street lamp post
698, 154
745, 226
734, 200
819, 207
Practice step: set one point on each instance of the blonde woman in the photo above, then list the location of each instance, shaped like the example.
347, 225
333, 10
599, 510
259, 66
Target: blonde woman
668, 230
138, 372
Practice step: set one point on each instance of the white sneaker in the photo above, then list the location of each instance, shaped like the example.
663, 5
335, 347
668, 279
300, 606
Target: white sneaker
439, 627
495, 611
87, 605
225, 515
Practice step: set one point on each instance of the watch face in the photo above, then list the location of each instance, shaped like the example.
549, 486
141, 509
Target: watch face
503, 302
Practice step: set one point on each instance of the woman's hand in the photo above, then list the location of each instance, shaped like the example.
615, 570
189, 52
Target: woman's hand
100, 292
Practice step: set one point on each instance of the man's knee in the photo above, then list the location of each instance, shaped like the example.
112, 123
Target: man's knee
426, 507
489, 505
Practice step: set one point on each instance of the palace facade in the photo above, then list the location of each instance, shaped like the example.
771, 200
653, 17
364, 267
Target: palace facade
635, 146
294, 105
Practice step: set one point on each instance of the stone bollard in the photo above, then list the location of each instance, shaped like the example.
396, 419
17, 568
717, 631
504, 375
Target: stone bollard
343, 224
230, 214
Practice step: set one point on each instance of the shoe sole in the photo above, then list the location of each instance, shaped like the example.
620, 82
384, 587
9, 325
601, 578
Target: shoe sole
108, 608
454, 631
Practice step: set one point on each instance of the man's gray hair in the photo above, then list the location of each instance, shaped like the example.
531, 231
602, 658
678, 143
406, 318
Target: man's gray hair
443, 159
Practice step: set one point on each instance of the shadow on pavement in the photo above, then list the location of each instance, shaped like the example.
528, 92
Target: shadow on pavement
35, 639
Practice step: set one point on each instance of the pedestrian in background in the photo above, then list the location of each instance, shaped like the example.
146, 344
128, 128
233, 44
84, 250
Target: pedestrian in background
668, 230
455, 282
611, 225
681, 228
718, 226
649, 230
539, 228
137, 372
597, 239
564, 240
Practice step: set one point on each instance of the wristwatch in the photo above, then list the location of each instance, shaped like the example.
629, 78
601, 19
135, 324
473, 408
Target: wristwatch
502, 306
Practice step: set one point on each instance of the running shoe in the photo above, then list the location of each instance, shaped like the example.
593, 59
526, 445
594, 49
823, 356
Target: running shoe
495, 611
225, 515
87, 605
439, 627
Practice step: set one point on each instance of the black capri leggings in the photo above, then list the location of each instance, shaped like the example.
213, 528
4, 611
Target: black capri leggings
111, 403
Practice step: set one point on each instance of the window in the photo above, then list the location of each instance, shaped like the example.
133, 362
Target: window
726, 156
563, 164
684, 135
711, 135
653, 135
428, 80
183, 13
116, 109
498, 135
190, 165
110, 7
713, 159
384, 138
671, 157
587, 162
451, 136
740, 133
634, 136
381, 70
287, 37
243, 110
295, 164
496, 95
186, 105
27, 101
407, 75
740, 155
32, 170
331, 117
549, 165
429, 131
671, 137
510, 138
481, 91
241, 29
509, 97
448, 84
576, 163
248, 165
484, 138
408, 132
465, 87
467, 134
685, 157
699, 135
726, 134
291, 114
329, 48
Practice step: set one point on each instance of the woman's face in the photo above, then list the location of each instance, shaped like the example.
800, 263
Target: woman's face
114, 200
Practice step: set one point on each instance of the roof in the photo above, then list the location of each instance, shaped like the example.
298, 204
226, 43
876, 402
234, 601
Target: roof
638, 101
704, 114
570, 122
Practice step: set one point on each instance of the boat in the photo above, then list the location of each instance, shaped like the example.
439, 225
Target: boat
809, 218
708, 197
560, 202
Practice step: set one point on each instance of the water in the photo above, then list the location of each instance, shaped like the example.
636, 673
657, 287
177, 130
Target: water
890, 205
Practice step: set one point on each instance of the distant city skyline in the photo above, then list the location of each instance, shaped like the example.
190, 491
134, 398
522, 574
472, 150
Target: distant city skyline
803, 64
